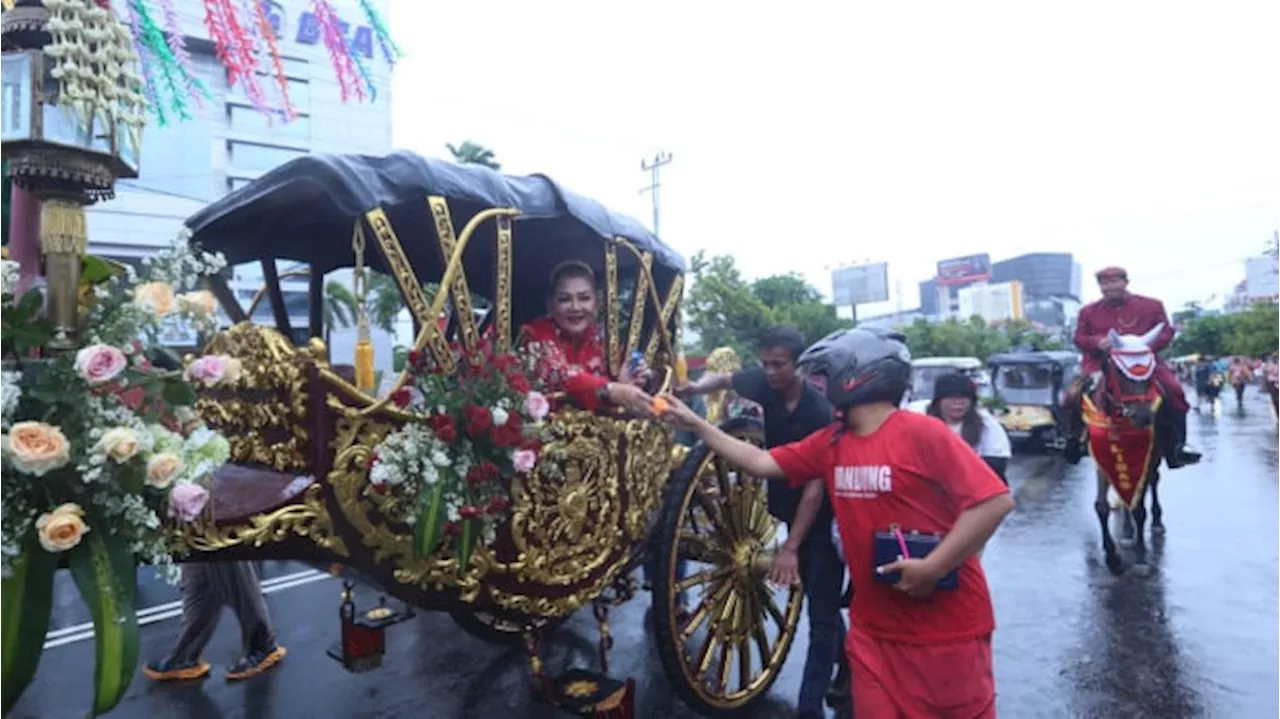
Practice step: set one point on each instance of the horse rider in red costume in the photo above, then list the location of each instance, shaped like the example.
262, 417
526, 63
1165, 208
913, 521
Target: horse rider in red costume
1131, 314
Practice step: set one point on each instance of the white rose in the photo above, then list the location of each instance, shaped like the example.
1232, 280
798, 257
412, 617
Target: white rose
500, 417
119, 443
162, 469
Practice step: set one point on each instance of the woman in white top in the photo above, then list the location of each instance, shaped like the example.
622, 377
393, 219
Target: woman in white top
955, 401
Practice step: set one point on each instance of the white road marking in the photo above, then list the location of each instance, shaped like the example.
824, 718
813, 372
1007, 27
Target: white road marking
170, 610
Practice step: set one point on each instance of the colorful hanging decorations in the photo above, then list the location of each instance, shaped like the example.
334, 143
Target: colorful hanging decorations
94, 62
349, 81
167, 82
389, 48
158, 48
178, 47
282, 80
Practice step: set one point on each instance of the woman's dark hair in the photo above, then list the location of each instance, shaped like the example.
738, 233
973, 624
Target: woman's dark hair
958, 385
570, 269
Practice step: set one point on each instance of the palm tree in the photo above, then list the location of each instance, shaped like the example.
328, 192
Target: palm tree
471, 153
383, 302
339, 307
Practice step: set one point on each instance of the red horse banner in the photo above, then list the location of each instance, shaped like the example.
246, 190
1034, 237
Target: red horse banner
1122, 451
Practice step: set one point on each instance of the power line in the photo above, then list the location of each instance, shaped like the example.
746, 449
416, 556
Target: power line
660, 159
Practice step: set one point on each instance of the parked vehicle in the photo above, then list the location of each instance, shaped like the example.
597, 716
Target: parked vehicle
1028, 391
926, 371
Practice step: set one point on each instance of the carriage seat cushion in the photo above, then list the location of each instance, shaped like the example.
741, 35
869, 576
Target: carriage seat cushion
240, 492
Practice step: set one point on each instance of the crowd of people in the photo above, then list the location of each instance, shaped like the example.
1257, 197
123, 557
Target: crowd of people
855, 476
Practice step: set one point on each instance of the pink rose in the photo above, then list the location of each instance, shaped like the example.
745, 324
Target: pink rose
524, 459
187, 500
208, 370
536, 405
97, 364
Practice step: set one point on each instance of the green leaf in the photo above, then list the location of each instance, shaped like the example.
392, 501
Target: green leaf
104, 570
426, 531
30, 304
96, 269
467, 542
26, 600
178, 393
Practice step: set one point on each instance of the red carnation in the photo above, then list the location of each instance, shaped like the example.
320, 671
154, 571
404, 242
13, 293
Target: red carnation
414, 358
452, 528
498, 504
483, 473
519, 383
479, 419
507, 435
444, 428
401, 397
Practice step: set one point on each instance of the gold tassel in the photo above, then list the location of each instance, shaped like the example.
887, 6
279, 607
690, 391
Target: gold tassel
62, 227
364, 358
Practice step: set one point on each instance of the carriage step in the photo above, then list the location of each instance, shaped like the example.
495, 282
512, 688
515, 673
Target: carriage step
590, 694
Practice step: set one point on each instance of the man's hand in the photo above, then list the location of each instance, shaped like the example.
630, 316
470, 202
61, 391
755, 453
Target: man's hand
785, 569
678, 413
919, 576
637, 376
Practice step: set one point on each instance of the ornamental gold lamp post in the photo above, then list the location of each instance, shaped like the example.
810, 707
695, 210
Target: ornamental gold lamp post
71, 124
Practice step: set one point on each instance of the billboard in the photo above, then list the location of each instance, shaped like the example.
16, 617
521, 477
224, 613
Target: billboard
993, 303
1261, 278
964, 270
860, 284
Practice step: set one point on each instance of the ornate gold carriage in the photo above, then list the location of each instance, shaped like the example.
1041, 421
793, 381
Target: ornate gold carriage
603, 500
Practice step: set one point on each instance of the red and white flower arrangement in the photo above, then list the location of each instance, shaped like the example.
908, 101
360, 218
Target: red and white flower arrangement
478, 428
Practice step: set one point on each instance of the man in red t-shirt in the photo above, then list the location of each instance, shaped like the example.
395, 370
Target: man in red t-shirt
914, 650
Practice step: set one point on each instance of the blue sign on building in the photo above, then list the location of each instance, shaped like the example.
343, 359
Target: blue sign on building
308, 30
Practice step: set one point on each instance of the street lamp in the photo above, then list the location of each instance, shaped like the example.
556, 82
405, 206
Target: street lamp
71, 124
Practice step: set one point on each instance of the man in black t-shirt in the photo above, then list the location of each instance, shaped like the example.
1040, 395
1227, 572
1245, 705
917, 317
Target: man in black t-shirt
793, 409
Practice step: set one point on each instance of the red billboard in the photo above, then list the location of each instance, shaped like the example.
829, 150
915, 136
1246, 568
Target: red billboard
964, 270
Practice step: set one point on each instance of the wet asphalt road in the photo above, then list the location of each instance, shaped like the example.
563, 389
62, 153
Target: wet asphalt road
1198, 638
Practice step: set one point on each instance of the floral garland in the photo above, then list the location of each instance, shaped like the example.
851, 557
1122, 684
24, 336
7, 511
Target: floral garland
98, 448
451, 471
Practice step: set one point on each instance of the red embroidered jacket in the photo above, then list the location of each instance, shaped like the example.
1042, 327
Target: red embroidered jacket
561, 365
1136, 315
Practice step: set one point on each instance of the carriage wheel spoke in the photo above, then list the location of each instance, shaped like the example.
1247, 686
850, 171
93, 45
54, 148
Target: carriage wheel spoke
744, 665
771, 606
702, 549
704, 610
703, 577
726, 666
713, 513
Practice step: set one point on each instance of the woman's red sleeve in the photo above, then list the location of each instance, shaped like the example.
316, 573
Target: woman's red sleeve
585, 390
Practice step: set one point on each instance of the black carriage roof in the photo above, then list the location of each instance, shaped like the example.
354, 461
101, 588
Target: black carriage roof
304, 210
1034, 356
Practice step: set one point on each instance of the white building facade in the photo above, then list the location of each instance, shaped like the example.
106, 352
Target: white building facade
187, 164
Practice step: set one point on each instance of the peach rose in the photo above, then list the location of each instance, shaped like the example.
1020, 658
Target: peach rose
37, 448
62, 528
162, 469
97, 364
200, 302
119, 443
155, 296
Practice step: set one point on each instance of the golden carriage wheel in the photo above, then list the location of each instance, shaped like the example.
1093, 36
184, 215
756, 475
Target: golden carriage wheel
729, 647
502, 627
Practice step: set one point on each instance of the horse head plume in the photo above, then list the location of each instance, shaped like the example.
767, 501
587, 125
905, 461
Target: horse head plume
1152, 333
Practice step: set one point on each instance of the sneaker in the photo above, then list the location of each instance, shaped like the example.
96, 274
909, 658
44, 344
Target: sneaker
255, 663
166, 670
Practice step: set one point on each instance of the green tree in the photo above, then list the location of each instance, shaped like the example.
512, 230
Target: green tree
974, 337
1255, 332
339, 307
471, 153
726, 310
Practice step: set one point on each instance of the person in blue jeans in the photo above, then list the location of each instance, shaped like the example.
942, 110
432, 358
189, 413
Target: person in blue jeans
794, 409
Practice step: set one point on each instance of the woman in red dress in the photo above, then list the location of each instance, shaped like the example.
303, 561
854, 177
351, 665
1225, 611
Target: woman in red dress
566, 347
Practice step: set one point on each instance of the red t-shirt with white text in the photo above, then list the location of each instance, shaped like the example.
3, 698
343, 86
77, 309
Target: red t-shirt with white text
914, 472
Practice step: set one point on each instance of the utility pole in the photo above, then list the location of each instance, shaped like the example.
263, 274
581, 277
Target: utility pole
659, 160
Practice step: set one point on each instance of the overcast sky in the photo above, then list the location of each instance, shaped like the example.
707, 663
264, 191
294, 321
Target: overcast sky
809, 134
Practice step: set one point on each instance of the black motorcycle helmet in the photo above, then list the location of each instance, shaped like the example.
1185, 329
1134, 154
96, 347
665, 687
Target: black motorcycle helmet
861, 366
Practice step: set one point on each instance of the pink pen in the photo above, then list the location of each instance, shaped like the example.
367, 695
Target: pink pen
902, 542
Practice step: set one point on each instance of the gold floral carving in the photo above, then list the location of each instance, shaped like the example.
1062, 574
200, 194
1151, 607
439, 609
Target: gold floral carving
263, 412
458, 290
414, 296
638, 303
309, 519
669, 308
502, 283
